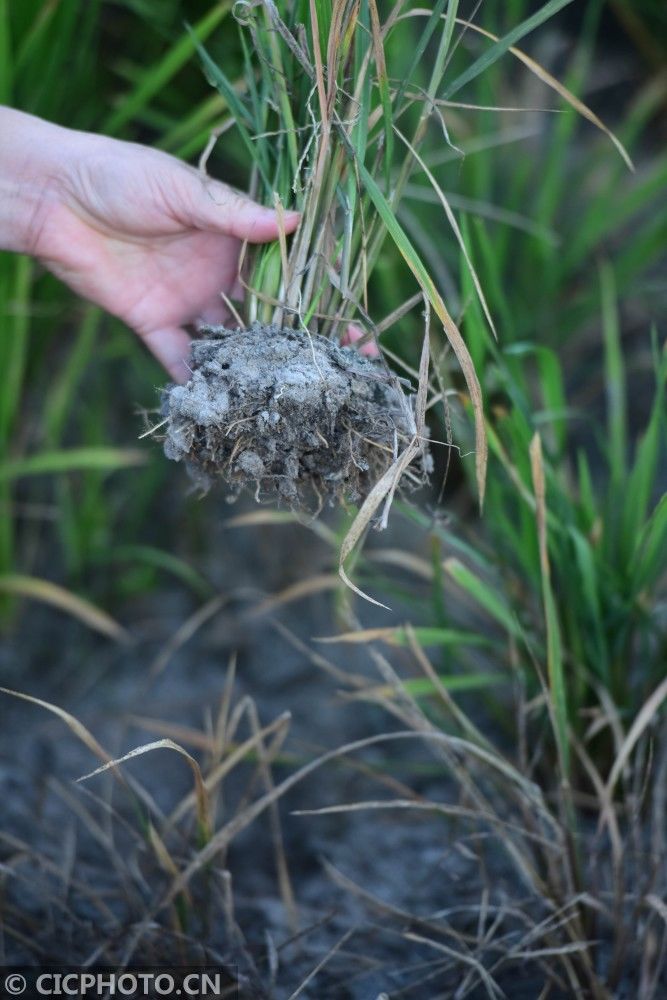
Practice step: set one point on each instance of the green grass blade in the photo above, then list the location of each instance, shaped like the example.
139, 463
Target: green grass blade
555, 667
648, 564
155, 80
242, 118
58, 404
422, 687
167, 562
416, 265
100, 459
383, 87
617, 420
643, 477
14, 346
503, 45
6, 70
485, 595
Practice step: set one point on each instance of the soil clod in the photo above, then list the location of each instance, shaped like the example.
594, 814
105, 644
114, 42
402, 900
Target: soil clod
288, 414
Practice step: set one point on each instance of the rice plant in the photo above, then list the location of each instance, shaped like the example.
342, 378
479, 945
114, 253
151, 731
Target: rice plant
333, 131
54, 470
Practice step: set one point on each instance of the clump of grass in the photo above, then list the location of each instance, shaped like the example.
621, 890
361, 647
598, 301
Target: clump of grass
317, 117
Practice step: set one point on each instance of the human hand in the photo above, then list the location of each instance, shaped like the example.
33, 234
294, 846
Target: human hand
142, 234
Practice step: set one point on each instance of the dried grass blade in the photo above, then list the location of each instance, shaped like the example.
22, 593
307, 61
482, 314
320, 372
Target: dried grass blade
201, 793
451, 218
644, 717
567, 95
59, 597
414, 262
70, 721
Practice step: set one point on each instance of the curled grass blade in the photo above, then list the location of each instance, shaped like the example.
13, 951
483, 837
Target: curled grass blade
201, 793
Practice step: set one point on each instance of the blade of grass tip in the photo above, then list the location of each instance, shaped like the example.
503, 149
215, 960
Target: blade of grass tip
58, 597
423, 687
157, 77
317, 584
502, 45
186, 631
257, 517
165, 561
551, 81
554, 645
70, 721
649, 556
333, 950
201, 794
236, 754
63, 460
39, 27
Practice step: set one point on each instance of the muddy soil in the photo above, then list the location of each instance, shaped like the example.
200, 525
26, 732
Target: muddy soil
77, 882
287, 415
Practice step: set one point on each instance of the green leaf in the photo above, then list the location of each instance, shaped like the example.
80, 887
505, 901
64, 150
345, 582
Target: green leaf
648, 563
165, 561
72, 460
485, 595
423, 687
614, 377
155, 79
500, 47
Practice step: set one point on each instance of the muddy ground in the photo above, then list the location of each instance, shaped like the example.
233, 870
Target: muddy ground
78, 886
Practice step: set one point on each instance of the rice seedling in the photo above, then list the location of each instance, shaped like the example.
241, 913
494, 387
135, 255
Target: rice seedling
276, 404
54, 468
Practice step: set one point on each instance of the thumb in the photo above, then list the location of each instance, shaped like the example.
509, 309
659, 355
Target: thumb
216, 207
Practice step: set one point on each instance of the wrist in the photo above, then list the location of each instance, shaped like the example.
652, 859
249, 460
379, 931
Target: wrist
32, 153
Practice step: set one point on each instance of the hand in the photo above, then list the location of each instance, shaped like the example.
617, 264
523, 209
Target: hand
140, 233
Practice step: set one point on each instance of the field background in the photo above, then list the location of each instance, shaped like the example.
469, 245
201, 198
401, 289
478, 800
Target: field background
124, 596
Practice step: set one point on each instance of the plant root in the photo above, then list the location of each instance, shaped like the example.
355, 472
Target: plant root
290, 415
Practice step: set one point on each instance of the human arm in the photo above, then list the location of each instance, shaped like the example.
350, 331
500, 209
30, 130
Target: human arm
142, 234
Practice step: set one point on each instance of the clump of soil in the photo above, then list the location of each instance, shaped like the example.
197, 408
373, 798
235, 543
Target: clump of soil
289, 414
